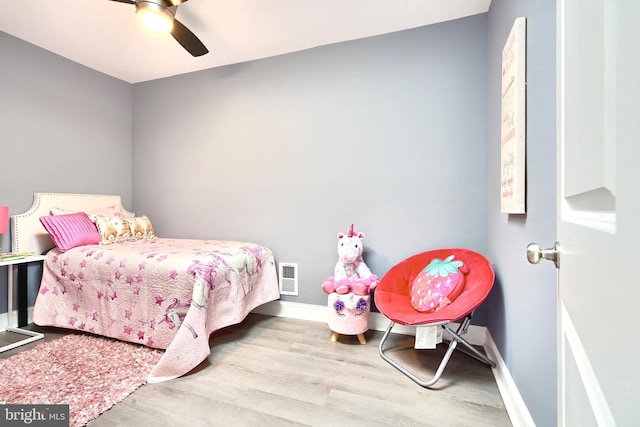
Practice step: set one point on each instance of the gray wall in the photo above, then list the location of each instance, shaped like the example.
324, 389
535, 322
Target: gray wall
522, 305
388, 133
65, 128
398, 134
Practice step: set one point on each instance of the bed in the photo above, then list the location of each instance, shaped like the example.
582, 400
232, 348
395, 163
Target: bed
164, 293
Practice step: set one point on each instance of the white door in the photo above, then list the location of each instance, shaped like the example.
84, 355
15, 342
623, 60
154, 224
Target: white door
598, 212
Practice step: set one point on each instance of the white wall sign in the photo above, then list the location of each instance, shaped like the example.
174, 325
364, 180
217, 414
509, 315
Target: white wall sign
512, 141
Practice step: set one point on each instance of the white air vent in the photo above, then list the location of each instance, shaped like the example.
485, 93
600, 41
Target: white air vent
288, 278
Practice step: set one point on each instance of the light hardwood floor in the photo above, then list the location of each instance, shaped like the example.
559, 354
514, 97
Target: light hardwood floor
271, 371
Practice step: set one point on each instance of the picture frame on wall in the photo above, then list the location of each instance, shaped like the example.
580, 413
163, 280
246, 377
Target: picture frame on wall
513, 121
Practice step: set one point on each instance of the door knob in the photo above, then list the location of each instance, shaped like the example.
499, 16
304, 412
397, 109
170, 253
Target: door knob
535, 253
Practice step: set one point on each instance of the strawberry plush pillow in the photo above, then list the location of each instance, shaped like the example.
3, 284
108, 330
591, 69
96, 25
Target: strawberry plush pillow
435, 287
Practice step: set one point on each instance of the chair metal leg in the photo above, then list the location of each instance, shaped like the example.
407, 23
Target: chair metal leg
457, 337
405, 371
472, 351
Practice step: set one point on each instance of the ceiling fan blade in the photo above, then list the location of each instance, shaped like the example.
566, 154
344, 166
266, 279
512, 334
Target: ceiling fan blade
125, 1
187, 39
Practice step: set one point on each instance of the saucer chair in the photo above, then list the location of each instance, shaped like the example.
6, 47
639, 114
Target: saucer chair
392, 298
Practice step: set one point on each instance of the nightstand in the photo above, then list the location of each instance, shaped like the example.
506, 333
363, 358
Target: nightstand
21, 264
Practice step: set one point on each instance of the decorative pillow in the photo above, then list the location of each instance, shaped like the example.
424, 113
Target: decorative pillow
70, 230
105, 212
113, 229
438, 284
141, 228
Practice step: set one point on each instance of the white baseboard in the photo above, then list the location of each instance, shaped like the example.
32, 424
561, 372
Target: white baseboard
476, 335
516, 408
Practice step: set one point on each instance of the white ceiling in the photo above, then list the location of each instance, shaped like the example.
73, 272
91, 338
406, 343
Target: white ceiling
106, 36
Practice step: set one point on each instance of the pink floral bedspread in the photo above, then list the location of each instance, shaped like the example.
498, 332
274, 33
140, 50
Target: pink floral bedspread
163, 293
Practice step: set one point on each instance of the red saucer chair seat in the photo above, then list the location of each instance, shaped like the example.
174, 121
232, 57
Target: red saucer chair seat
393, 298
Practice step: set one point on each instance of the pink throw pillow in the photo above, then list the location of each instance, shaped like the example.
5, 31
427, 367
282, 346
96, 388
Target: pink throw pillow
71, 230
438, 285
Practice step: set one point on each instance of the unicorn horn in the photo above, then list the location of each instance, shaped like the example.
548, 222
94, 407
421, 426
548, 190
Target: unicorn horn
351, 231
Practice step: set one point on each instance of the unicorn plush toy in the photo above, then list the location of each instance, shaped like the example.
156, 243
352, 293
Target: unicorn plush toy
351, 274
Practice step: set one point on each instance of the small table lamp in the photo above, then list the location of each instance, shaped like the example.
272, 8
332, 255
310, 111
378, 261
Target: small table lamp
4, 219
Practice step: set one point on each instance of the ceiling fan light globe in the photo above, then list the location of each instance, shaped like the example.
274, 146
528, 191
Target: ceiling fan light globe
155, 17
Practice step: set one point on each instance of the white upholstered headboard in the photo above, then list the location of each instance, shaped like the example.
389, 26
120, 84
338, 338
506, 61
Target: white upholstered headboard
28, 234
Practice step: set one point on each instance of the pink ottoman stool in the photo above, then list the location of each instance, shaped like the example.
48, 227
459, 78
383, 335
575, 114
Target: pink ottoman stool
349, 315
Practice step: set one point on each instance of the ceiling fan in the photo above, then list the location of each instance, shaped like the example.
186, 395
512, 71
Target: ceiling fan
159, 15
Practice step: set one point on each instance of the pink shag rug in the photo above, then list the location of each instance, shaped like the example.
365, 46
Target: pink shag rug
89, 373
